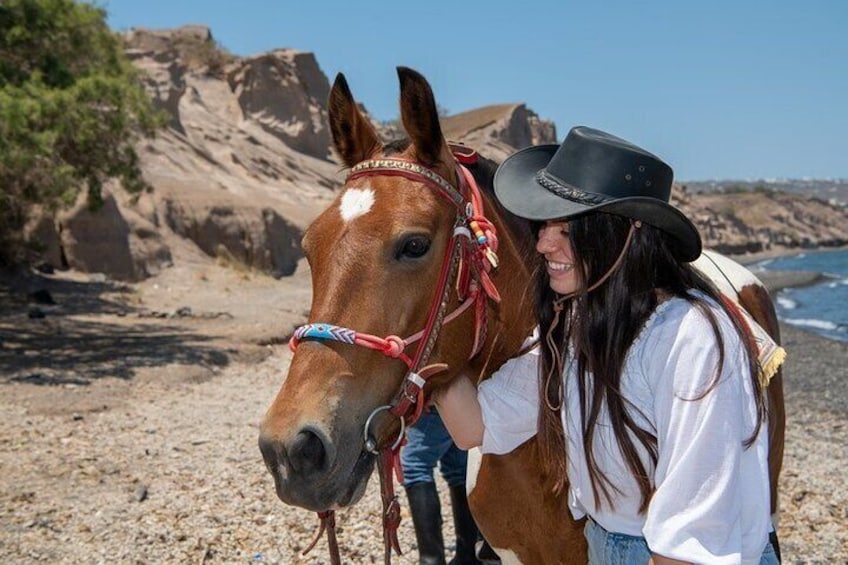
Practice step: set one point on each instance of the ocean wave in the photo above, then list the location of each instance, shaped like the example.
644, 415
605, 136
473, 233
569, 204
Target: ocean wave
786, 303
812, 323
822, 307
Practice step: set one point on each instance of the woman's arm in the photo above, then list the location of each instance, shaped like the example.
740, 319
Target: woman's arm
460, 410
509, 399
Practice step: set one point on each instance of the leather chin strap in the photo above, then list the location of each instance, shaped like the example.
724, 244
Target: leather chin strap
470, 257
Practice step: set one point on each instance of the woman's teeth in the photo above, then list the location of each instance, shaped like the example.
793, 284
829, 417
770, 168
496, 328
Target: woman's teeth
554, 266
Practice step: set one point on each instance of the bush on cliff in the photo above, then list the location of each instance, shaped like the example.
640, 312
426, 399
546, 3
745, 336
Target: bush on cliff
70, 109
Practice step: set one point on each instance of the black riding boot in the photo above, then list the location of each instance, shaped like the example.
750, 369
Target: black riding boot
465, 526
426, 513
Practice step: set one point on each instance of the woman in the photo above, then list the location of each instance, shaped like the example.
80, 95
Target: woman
648, 398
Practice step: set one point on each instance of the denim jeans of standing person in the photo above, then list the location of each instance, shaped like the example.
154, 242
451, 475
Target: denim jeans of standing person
608, 548
428, 445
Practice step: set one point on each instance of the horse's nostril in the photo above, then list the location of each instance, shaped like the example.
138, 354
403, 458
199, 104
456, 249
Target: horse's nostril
270, 453
307, 452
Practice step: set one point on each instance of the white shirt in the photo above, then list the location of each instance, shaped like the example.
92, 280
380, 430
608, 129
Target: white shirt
711, 503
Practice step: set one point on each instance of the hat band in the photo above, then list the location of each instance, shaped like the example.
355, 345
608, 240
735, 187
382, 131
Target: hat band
552, 184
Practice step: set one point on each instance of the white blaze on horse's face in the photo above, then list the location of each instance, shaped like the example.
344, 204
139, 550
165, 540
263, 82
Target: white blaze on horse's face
356, 202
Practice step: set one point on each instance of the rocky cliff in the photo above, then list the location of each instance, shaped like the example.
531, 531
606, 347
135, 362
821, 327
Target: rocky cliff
241, 170
497, 131
246, 163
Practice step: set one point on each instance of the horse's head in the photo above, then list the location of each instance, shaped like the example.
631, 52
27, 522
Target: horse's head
377, 257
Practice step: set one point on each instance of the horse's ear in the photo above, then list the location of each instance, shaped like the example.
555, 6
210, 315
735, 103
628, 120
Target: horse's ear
353, 135
420, 117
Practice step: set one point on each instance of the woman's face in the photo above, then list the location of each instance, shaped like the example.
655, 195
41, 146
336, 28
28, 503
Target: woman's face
555, 246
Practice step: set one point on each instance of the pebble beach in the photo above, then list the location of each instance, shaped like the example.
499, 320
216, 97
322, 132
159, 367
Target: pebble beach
163, 467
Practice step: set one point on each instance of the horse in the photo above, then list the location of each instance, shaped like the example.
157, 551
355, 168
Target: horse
416, 245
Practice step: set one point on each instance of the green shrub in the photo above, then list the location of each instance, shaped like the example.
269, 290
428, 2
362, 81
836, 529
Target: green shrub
71, 107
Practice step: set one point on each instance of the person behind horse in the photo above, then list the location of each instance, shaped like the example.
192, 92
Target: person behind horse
428, 443
645, 391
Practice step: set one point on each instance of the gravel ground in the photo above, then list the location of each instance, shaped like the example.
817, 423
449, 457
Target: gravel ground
152, 457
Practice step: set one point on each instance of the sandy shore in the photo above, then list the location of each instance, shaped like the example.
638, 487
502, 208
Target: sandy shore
130, 437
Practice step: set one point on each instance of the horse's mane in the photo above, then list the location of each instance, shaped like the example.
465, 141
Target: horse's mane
483, 171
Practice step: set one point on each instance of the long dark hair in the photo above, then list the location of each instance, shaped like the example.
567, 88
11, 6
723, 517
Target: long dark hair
596, 329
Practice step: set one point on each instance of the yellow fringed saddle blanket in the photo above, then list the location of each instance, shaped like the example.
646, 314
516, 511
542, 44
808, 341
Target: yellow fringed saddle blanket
770, 356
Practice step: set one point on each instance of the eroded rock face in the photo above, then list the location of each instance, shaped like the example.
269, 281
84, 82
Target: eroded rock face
246, 164
285, 92
255, 237
41, 230
498, 131
112, 240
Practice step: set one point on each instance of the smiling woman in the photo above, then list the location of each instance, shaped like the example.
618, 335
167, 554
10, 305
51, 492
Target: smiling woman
651, 395
554, 245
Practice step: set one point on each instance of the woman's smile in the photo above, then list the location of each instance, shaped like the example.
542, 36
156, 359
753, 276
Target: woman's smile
554, 245
555, 267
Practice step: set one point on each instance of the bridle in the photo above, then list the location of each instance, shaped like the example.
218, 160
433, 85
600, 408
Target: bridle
470, 256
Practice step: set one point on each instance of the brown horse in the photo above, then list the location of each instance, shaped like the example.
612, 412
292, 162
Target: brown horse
383, 261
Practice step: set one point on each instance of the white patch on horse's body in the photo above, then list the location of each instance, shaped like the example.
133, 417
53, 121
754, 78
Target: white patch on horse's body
356, 202
729, 276
507, 557
472, 469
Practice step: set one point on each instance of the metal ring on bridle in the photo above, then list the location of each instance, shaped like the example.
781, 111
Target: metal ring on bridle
370, 442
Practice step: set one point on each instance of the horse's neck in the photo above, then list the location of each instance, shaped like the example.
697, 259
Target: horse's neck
511, 321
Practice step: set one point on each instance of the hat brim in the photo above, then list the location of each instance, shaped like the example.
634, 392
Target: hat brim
518, 191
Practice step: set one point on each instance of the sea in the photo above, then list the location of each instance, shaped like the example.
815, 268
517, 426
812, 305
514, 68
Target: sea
821, 308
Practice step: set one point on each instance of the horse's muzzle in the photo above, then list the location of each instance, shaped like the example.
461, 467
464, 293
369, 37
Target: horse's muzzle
303, 470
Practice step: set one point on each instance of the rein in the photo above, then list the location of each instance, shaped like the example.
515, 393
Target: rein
470, 255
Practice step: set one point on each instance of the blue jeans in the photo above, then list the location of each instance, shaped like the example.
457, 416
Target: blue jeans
608, 548
428, 443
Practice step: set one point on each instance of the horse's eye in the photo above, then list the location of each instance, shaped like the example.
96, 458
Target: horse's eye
413, 247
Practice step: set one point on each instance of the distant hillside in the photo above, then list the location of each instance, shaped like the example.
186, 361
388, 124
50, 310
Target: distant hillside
763, 220
833, 191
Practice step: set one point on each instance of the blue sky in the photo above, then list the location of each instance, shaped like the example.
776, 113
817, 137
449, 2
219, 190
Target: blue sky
720, 89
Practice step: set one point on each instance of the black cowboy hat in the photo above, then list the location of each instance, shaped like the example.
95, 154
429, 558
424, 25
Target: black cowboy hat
593, 171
